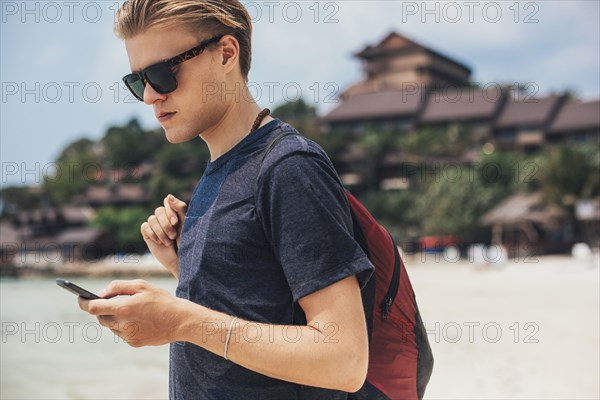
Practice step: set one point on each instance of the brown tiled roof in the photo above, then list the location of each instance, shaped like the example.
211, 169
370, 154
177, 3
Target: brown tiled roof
393, 41
80, 236
98, 194
396, 43
35, 243
376, 105
398, 158
76, 215
143, 170
68, 214
461, 104
131, 192
522, 207
8, 234
526, 112
124, 192
576, 115
354, 152
371, 86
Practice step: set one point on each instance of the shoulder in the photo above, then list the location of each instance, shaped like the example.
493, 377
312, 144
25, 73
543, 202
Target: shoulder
287, 152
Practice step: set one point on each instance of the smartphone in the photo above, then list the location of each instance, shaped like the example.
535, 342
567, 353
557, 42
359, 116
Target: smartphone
73, 288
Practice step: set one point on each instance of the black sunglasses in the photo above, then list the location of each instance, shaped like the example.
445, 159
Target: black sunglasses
161, 75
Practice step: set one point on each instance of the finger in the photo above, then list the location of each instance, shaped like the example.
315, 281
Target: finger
163, 219
178, 206
171, 213
83, 303
107, 321
97, 307
117, 334
158, 231
148, 233
117, 288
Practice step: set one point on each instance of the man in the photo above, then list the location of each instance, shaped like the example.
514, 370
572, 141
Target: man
268, 299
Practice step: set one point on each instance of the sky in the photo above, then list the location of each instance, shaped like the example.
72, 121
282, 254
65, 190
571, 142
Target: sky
61, 65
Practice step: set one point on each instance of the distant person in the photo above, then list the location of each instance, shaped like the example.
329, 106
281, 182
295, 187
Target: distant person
268, 299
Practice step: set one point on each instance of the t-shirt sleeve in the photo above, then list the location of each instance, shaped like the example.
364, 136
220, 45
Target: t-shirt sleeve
306, 217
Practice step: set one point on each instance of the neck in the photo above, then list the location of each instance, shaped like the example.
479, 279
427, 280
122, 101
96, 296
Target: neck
232, 128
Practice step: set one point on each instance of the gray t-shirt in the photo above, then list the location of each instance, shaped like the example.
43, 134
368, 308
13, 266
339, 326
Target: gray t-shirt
255, 257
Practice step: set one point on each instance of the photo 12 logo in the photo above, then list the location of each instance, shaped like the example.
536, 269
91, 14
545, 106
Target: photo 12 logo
489, 332
54, 12
116, 92
68, 171
54, 332
318, 92
470, 11
293, 12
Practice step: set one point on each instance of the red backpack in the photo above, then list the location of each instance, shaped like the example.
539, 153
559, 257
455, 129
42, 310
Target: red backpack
400, 357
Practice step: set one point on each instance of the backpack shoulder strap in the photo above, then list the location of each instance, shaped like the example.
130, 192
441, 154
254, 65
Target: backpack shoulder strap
268, 150
274, 142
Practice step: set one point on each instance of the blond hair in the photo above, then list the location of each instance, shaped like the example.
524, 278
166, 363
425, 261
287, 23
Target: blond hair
202, 16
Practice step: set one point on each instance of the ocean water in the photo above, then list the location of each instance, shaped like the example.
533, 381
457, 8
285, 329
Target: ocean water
529, 329
50, 349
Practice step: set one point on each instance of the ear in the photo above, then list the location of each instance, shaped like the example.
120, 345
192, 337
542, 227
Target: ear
230, 52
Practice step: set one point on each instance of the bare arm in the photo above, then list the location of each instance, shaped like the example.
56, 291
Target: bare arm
331, 351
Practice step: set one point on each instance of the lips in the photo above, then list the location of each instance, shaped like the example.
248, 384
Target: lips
165, 115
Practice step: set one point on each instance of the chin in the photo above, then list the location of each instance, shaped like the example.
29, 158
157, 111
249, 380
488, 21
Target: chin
174, 137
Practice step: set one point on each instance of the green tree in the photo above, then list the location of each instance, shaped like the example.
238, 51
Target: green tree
178, 169
19, 198
396, 210
86, 162
570, 172
449, 207
124, 224
507, 171
76, 169
130, 144
183, 159
450, 141
377, 146
304, 118
300, 115
455, 199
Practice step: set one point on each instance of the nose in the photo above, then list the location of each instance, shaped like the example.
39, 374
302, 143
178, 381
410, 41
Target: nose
151, 95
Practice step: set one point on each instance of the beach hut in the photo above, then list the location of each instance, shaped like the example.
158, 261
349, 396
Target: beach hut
526, 224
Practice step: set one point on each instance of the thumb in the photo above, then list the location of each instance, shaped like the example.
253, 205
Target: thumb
118, 288
178, 206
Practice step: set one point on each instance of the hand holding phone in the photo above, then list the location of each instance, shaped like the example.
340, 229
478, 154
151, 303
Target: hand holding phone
73, 288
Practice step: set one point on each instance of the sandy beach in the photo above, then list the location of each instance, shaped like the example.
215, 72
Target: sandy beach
526, 330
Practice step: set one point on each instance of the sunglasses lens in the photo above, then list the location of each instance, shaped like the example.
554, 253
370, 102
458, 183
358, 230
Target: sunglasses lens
161, 78
135, 85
